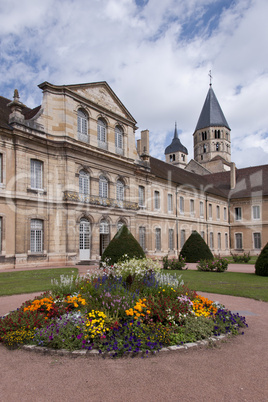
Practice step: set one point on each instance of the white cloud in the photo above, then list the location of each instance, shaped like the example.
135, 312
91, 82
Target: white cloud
156, 57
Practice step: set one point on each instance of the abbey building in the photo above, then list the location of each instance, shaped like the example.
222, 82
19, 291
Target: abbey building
71, 174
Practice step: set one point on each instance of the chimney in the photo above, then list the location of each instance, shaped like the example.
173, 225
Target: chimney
145, 142
139, 146
233, 175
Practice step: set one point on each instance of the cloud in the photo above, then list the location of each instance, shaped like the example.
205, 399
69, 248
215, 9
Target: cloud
156, 59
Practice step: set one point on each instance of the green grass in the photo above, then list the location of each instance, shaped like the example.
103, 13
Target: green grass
12, 283
227, 283
253, 259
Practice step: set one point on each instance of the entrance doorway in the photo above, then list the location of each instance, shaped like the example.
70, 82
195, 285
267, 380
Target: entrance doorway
84, 240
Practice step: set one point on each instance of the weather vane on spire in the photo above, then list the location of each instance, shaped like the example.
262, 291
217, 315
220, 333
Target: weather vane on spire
210, 78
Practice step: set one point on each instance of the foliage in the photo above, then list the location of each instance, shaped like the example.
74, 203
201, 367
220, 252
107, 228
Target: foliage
122, 244
218, 265
65, 285
174, 263
115, 316
195, 249
21, 336
261, 266
241, 258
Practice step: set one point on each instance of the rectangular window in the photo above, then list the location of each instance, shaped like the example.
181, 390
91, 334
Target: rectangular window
210, 211
225, 213
182, 237
142, 237
170, 203
181, 205
36, 236
171, 239
156, 200
201, 209
158, 239
211, 240
219, 241
141, 196
238, 214
257, 240
36, 174
218, 212
192, 207
238, 241
226, 241
256, 212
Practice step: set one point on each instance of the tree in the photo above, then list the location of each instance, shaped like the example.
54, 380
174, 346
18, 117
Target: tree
123, 243
261, 265
195, 249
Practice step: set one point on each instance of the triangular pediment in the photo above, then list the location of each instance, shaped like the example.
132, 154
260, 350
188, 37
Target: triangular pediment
98, 93
101, 94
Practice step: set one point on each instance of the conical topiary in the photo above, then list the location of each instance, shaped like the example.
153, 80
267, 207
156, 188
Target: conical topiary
123, 243
195, 249
261, 265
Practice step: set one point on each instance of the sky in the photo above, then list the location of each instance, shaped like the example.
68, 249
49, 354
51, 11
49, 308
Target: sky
156, 56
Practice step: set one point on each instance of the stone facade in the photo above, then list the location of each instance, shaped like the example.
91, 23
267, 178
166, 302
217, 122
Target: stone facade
71, 174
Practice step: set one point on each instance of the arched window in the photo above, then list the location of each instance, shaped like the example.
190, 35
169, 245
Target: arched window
102, 134
104, 227
103, 187
120, 190
205, 149
83, 183
217, 146
82, 125
120, 224
118, 140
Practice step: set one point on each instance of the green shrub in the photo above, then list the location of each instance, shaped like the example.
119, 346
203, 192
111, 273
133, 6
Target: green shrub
174, 263
261, 266
241, 258
218, 265
195, 249
123, 244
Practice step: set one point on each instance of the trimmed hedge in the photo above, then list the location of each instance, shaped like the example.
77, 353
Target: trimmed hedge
123, 243
261, 265
196, 249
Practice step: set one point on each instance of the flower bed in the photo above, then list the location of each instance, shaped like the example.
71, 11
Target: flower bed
118, 310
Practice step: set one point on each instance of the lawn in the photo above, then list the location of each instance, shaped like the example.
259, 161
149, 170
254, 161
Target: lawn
253, 259
12, 283
228, 283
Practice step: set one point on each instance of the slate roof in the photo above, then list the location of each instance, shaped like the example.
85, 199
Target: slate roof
251, 181
5, 112
211, 114
176, 145
181, 177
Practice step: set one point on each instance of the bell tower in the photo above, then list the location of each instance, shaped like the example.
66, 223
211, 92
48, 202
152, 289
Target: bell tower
212, 140
176, 153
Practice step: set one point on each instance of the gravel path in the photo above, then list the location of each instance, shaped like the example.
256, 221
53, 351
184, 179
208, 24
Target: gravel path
233, 370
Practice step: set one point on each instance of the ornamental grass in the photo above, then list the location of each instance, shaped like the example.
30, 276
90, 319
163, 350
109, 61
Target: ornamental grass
118, 312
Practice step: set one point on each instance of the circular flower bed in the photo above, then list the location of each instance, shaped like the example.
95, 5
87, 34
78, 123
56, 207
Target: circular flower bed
131, 307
